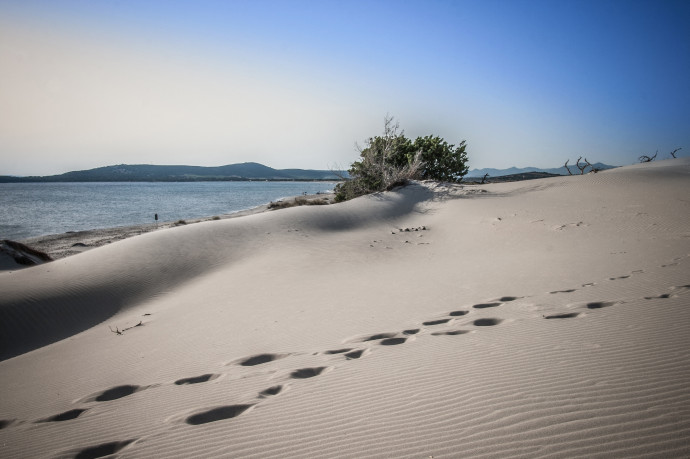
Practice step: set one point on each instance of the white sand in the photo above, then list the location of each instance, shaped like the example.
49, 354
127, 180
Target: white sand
546, 318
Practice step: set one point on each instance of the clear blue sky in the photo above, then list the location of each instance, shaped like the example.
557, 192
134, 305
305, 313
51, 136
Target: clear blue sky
296, 83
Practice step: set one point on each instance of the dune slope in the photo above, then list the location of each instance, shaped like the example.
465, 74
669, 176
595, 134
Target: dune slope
531, 319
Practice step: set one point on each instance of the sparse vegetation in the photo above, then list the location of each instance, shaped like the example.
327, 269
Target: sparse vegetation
298, 201
392, 159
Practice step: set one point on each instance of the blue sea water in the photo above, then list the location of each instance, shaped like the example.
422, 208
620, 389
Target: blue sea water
38, 209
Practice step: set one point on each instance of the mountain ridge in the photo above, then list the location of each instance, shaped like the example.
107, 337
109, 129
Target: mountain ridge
238, 172
181, 173
523, 170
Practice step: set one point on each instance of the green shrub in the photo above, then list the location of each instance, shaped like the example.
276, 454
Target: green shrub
392, 159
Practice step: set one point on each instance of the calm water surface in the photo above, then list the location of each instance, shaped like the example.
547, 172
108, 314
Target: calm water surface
37, 209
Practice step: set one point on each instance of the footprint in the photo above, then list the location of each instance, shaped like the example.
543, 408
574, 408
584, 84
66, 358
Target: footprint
663, 295
275, 390
66, 416
339, 351
509, 298
217, 414
450, 332
619, 277
259, 359
488, 305
196, 379
4, 423
566, 315
379, 336
600, 304
104, 449
392, 341
412, 331
458, 313
114, 393
355, 354
436, 322
487, 322
304, 373
571, 290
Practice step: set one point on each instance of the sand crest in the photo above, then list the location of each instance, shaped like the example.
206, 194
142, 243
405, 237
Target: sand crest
545, 318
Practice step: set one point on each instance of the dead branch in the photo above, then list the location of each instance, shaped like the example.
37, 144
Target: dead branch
567, 168
484, 179
583, 167
594, 169
117, 331
673, 153
648, 159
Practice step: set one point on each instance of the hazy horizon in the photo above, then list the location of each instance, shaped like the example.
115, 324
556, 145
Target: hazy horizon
294, 84
571, 164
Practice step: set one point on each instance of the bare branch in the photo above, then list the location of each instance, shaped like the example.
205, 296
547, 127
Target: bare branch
673, 153
594, 169
648, 159
583, 167
337, 170
567, 168
484, 179
117, 331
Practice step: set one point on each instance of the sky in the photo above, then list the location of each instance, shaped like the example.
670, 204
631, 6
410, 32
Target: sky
297, 84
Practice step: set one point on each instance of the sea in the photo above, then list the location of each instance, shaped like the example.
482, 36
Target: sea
39, 209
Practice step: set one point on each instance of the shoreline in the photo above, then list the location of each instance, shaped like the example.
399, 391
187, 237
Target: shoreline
63, 245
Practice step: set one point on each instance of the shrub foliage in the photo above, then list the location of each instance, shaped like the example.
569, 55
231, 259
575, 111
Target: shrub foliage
392, 159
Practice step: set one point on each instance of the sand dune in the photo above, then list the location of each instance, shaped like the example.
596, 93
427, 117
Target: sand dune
545, 318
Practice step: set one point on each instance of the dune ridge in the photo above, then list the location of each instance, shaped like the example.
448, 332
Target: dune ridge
531, 319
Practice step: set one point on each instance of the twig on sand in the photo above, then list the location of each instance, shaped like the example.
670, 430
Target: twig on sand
117, 331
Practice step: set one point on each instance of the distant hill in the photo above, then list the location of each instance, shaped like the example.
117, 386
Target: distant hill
524, 170
152, 173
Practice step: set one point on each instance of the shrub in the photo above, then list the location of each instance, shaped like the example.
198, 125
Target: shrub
392, 159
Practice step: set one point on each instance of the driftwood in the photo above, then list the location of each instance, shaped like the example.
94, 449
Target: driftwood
673, 153
484, 179
117, 331
649, 159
